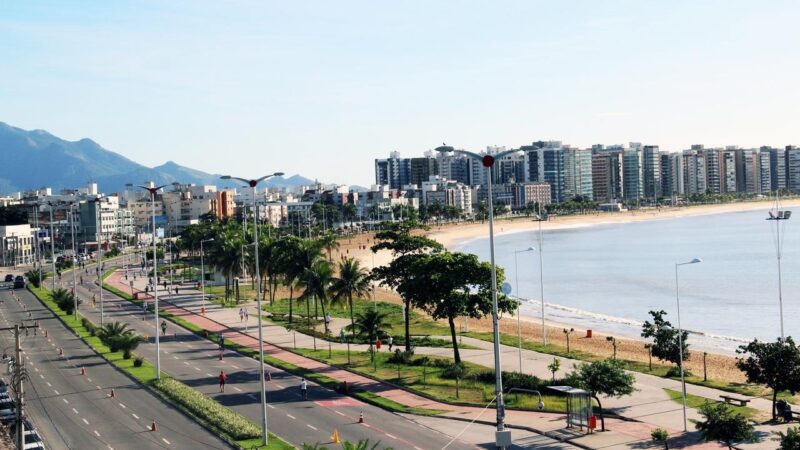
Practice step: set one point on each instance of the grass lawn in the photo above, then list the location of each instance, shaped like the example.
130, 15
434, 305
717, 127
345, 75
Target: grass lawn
428, 380
696, 401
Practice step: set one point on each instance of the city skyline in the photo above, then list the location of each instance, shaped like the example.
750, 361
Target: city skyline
258, 81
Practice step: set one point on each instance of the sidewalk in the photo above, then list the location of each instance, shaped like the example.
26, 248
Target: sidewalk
187, 304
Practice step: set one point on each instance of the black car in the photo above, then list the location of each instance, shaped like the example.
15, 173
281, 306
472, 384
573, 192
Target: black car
9, 278
19, 282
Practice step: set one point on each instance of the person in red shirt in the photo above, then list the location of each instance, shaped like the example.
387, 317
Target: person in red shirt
222, 379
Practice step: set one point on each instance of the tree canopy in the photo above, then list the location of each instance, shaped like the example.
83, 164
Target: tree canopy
721, 424
773, 364
603, 378
665, 344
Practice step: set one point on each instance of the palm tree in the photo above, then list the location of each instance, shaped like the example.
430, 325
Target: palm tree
226, 253
116, 335
347, 445
33, 277
308, 252
64, 299
352, 280
329, 242
288, 262
370, 324
317, 280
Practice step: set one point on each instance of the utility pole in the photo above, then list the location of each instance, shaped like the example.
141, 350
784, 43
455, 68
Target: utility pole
20, 437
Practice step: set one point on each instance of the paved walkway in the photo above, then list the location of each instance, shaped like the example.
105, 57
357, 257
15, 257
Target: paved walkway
625, 434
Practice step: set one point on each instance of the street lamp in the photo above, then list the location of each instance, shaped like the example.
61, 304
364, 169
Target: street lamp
680, 337
98, 227
541, 273
74, 259
52, 244
502, 436
253, 184
203, 271
153, 191
519, 325
778, 216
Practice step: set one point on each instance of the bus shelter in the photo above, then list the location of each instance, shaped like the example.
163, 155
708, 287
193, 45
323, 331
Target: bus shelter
579, 407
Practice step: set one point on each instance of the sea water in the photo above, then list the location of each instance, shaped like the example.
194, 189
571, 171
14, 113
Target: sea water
607, 277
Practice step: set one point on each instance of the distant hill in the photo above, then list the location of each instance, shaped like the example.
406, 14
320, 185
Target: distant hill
32, 159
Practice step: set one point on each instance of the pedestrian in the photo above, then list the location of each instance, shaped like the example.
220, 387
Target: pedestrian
81, 279
304, 389
241, 314
176, 290
163, 327
222, 379
165, 285
327, 321
390, 341
341, 335
94, 300
144, 306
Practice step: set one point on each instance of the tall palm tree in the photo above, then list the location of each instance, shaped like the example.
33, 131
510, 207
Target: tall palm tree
329, 242
308, 253
352, 280
226, 253
317, 281
289, 264
371, 324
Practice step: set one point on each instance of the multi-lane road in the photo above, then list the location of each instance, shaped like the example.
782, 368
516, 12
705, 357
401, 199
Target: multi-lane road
74, 411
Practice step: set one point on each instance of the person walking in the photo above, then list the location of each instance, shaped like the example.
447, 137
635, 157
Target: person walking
390, 341
241, 314
94, 300
304, 389
222, 379
163, 327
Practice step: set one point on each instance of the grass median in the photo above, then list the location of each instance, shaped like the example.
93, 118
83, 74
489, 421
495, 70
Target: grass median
236, 428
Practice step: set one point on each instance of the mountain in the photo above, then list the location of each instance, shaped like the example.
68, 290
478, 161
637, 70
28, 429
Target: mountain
35, 158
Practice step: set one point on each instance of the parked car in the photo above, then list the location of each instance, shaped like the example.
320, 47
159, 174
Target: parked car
9, 278
19, 282
33, 440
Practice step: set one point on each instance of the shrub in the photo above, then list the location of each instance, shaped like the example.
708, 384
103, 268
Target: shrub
207, 409
421, 361
138, 361
401, 357
454, 370
660, 435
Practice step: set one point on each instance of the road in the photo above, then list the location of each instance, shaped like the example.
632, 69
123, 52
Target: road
74, 411
195, 361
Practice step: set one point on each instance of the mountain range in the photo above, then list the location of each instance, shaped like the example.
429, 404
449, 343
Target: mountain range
32, 159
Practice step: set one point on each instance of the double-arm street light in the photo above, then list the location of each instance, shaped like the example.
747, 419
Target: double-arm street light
502, 436
153, 191
253, 184
779, 217
203, 272
516, 281
680, 337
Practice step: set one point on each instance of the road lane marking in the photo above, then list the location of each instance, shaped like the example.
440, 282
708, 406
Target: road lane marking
35, 369
196, 368
48, 384
253, 396
85, 421
90, 380
96, 433
75, 410
272, 407
339, 413
237, 389
135, 416
235, 366
41, 376
175, 357
65, 400
291, 416
393, 437
123, 406
186, 362
209, 375
165, 441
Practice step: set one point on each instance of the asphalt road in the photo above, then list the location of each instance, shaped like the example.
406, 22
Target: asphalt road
74, 411
195, 361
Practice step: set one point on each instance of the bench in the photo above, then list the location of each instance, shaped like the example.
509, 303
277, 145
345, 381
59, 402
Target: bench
729, 400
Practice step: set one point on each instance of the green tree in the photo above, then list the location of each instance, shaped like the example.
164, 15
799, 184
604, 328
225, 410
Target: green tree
406, 248
773, 364
33, 277
371, 324
660, 435
352, 280
317, 282
65, 300
289, 258
329, 242
789, 440
554, 366
665, 344
225, 253
603, 378
721, 424
451, 285
117, 336
347, 445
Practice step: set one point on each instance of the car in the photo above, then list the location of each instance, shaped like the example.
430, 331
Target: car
19, 282
33, 440
9, 278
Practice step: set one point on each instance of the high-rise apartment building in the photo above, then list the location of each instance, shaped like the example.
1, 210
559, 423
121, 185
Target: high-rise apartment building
421, 169
764, 172
672, 174
392, 171
694, 170
577, 172
793, 167
713, 170
632, 172
728, 170
651, 172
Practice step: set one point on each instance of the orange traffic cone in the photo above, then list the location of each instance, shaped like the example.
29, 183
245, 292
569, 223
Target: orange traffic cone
361, 417
153, 426
335, 438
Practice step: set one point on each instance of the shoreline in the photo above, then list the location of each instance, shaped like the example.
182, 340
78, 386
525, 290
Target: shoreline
720, 361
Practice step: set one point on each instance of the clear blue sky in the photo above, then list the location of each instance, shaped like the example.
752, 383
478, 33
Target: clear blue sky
322, 88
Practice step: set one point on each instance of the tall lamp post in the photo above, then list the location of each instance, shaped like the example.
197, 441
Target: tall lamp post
516, 281
98, 227
502, 436
779, 216
153, 191
74, 260
253, 184
541, 273
203, 272
52, 244
680, 337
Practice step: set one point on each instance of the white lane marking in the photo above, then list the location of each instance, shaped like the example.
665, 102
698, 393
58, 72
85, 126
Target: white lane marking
123, 406
35, 369
175, 357
112, 448
48, 384
387, 434
65, 400
253, 396
196, 368
237, 389
99, 388
339, 413
96, 433
135, 416
312, 427
186, 362
280, 386
235, 366
90, 380
75, 410
56, 392
85, 421
165, 441
41, 376
270, 406
209, 375
291, 416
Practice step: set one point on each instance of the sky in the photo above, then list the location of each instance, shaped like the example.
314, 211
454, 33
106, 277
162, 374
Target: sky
322, 88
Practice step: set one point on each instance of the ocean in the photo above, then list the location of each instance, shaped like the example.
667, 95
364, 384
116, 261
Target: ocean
607, 277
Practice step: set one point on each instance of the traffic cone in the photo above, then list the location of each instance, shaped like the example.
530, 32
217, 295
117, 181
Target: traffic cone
153, 426
361, 417
112, 395
335, 438
83, 371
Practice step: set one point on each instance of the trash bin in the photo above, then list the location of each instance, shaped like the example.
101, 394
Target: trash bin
592, 423
588, 333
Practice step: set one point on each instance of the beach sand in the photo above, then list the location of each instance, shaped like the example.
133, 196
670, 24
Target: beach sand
720, 367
